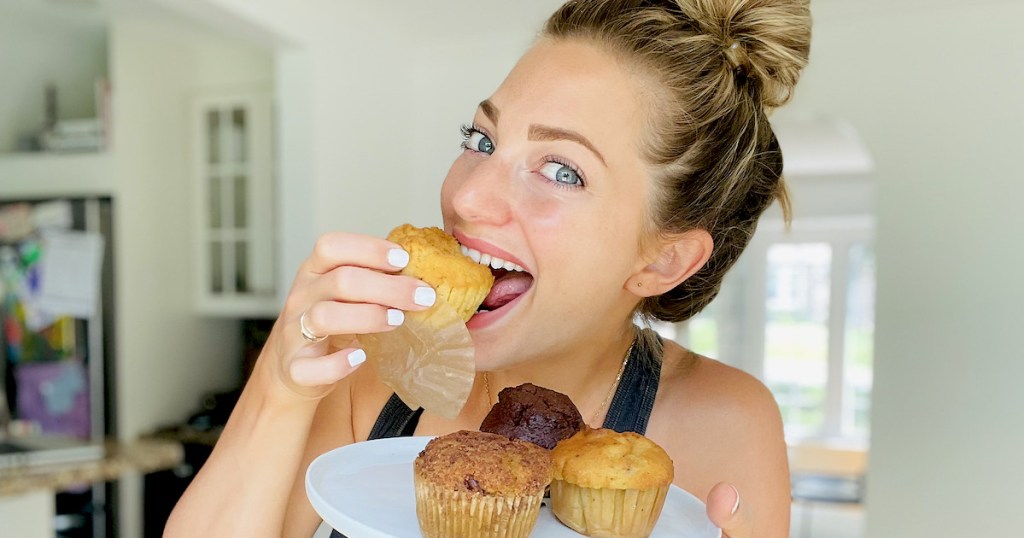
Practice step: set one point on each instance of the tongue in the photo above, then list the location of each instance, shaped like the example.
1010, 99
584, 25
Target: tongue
506, 288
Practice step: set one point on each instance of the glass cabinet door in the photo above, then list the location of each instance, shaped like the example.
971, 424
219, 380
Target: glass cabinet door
235, 176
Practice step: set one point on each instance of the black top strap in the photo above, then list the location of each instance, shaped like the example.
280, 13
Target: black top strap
395, 420
633, 402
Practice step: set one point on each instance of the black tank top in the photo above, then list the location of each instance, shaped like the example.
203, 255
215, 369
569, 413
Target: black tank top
630, 409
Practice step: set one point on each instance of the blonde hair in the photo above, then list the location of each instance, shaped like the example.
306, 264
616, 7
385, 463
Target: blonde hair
714, 69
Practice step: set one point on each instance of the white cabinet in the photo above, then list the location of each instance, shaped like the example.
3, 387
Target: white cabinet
234, 183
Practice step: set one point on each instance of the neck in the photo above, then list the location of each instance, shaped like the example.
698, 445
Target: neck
585, 371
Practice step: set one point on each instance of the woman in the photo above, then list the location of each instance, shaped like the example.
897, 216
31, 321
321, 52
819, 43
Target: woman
623, 164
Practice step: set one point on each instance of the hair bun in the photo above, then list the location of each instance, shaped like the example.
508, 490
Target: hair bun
766, 40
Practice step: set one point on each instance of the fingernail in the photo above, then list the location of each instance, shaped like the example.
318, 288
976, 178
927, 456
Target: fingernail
425, 296
398, 258
736, 506
395, 317
356, 358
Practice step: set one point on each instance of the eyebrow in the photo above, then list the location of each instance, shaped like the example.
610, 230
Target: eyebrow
489, 110
543, 132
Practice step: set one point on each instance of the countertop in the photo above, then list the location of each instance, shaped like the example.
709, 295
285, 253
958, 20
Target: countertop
142, 456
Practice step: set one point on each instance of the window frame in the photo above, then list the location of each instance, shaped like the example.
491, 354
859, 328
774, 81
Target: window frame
841, 233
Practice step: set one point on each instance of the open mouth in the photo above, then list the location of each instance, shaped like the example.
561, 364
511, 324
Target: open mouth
511, 281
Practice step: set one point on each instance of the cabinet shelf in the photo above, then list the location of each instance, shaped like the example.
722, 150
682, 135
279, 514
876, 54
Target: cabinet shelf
55, 174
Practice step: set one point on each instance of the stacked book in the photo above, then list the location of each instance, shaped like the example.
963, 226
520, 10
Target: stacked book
74, 135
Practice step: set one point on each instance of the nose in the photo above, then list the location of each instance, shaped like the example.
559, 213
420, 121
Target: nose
483, 195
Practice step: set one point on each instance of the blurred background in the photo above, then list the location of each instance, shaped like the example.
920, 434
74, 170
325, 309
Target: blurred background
166, 164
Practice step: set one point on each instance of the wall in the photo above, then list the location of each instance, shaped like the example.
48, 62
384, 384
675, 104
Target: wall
386, 123
167, 356
41, 46
936, 94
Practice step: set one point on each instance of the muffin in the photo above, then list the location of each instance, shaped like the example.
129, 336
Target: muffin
477, 484
610, 484
437, 259
535, 414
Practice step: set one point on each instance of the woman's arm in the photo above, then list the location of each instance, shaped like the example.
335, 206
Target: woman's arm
755, 500
722, 428
243, 488
342, 288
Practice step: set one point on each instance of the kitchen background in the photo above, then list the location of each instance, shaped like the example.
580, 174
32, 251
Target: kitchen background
220, 137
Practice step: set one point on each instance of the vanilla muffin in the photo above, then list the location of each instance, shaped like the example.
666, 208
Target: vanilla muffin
610, 484
475, 485
436, 258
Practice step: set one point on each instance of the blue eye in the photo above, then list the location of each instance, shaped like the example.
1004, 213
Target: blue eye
477, 141
561, 173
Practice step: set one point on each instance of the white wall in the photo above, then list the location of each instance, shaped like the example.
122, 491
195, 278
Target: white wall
46, 46
936, 93
167, 356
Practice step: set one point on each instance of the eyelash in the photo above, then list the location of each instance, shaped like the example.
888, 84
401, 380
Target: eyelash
571, 166
469, 129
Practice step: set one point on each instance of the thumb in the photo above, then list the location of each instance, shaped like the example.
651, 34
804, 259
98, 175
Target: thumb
729, 513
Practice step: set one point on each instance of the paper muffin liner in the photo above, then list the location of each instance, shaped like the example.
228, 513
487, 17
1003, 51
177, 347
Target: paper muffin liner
607, 513
428, 361
444, 513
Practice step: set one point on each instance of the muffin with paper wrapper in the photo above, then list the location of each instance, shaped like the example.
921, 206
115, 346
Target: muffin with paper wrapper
429, 360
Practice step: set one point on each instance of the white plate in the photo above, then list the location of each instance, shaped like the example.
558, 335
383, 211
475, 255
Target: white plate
365, 490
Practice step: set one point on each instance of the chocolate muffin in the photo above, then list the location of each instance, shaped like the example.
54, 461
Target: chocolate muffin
535, 414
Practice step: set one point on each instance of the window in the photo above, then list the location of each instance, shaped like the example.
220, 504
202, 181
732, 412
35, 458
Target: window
798, 312
796, 332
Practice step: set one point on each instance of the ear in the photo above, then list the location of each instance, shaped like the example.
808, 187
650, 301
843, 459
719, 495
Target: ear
677, 258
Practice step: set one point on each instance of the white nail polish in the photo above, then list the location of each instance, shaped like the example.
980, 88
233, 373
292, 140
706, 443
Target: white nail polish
736, 506
356, 358
395, 317
398, 258
425, 296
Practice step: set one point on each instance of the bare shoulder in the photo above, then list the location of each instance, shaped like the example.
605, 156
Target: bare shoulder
720, 424
718, 392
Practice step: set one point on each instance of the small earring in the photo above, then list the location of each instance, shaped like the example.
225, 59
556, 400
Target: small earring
639, 284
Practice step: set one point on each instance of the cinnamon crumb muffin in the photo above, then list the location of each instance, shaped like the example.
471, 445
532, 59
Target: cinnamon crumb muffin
475, 484
610, 484
436, 258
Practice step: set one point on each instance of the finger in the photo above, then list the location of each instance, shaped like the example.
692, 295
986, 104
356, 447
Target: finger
339, 248
328, 318
727, 512
357, 285
326, 370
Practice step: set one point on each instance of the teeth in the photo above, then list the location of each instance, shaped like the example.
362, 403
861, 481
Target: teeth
473, 254
493, 261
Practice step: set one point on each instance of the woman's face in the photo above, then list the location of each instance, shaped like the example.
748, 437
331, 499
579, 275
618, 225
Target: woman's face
551, 180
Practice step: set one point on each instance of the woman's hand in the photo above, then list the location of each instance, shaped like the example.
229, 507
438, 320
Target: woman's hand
345, 287
729, 514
